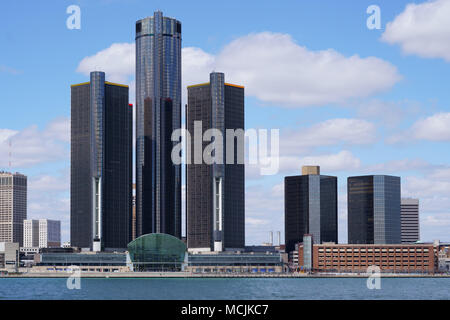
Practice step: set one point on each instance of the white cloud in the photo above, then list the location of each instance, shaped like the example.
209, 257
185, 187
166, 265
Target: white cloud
118, 61
48, 198
442, 173
50, 183
273, 68
32, 146
5, 134
388, 113
264, 212
425, 187
292, 165
422, 29
329, 133
433, 192
396, 166
341, 161
433, 128
197, 65
295, 145
277, 70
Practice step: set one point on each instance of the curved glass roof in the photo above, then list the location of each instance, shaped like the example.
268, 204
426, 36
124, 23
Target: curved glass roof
157, 248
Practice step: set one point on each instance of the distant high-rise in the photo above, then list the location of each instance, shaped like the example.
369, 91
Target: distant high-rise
13, 206
101, 165
310, 207
410, 220
42, 233
374, 210
158, 114
30, 233
215, 193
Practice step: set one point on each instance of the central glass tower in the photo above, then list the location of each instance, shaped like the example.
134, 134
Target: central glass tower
158, 105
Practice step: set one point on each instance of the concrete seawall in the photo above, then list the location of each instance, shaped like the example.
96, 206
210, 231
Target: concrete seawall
207, 275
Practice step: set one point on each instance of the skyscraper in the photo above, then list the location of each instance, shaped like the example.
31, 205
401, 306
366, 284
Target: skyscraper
101, 164
13, 206
215, 193
158, 107
310, 207
374, 210
410, 220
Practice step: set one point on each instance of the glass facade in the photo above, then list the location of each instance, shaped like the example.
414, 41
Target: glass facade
158, 107
235, 259
157, 252
374, 210
215, 195
101, 164
310, 208
82, 259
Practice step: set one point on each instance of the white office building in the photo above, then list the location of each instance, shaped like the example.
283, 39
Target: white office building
42, 233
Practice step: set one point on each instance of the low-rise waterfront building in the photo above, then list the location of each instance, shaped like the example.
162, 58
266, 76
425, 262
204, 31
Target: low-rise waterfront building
356, 258
235, 262
87, 262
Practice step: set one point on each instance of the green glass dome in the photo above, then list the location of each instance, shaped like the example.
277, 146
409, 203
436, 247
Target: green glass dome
157, 252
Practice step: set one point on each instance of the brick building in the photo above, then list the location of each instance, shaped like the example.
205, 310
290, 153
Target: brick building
355, 258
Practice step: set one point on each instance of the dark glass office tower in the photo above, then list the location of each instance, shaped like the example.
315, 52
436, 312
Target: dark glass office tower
158, 105
101, 165
374, 210
215, 193
310, 207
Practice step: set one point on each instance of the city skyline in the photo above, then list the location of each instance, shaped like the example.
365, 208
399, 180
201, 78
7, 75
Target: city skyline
344, 137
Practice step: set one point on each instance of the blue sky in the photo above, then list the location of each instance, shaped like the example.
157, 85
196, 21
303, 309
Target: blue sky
367, 101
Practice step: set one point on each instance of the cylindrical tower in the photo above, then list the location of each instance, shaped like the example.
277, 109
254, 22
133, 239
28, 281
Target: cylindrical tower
158, 105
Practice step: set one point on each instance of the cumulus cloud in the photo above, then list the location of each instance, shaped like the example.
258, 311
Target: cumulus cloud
272, 66
32, 146
275, 69
118, 61
422, 29
331, 132
432, 128
298, 147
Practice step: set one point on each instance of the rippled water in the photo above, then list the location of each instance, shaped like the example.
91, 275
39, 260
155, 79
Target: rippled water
298, 289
